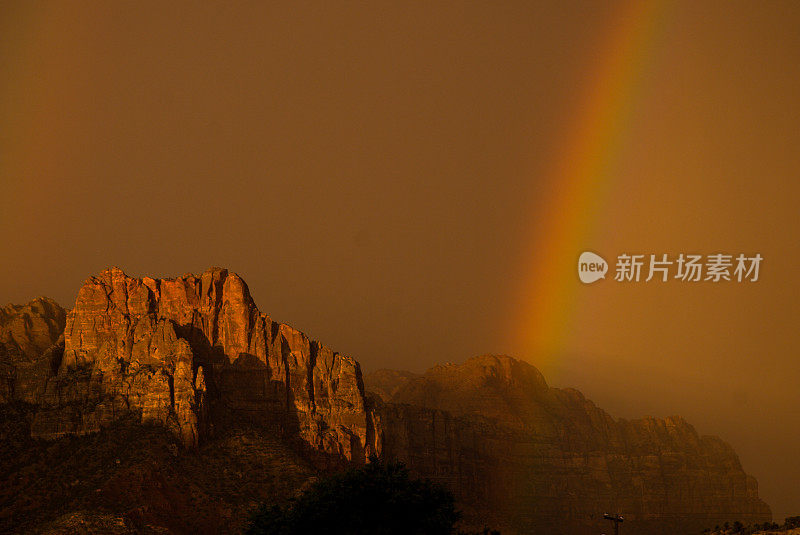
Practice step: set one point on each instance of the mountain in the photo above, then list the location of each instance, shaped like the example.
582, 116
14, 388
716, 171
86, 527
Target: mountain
175, 405
386, 383
192, 352
532, 458
28, 334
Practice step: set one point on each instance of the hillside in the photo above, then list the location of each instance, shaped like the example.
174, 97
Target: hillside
549, 459
176, 404
134, 478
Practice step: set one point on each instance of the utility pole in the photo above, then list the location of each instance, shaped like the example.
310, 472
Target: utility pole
616, 519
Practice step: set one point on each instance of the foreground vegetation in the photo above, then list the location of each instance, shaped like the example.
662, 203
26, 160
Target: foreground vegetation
133, 478
379, 498
790, 526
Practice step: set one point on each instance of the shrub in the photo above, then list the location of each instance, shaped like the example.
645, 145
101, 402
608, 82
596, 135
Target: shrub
379, 498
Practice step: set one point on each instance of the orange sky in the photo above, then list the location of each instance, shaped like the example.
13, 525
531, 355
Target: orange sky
382, 176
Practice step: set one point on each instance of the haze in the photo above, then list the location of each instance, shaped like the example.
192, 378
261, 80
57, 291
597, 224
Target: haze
375, 172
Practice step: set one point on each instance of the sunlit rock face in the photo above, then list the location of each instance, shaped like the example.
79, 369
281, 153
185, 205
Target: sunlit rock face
31, 343
195, 351
527, 457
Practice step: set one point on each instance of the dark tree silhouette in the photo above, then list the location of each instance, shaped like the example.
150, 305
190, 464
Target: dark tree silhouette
379, 499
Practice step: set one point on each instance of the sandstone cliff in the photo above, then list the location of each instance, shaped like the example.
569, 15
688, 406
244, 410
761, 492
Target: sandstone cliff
195, 355
192, 352
31, 341
530, 457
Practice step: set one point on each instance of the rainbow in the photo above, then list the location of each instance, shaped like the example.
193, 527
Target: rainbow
578, 178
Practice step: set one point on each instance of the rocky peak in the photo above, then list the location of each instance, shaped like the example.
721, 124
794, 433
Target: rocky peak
495, 386
31, 342
31, 329
537, 459
193, 352
500, 371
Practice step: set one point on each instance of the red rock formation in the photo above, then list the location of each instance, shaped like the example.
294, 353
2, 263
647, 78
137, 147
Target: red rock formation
194, 353
28, 334
528, 457
191, 351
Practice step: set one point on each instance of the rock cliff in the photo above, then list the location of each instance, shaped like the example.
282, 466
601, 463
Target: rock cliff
195, 355
192, 352
533, 458
31, 341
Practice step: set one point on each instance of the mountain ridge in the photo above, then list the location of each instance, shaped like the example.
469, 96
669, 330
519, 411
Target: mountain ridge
393, 386
495, 431
194, 354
